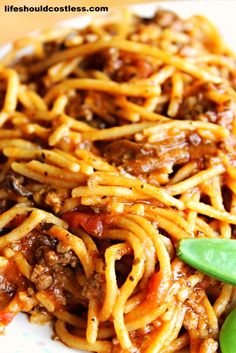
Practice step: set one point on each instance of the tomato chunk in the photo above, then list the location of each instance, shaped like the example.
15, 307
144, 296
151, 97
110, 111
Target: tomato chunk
92, 224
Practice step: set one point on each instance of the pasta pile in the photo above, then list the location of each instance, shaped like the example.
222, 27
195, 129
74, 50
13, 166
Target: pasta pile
116, 142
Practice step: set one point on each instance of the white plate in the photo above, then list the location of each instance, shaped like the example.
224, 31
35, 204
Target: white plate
23, 337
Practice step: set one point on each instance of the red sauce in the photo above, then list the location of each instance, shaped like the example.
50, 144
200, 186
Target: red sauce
10, 281
6, 317
12, 273
157, 287
93, 224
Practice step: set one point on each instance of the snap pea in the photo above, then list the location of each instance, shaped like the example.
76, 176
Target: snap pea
228, 334
214, 257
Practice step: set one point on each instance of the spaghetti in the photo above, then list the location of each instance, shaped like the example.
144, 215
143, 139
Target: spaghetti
116, 142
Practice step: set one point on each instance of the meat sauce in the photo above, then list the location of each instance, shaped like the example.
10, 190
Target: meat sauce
139, 158
10, 280
54, 266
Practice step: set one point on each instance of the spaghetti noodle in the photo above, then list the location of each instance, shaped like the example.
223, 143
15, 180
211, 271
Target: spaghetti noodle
116, 142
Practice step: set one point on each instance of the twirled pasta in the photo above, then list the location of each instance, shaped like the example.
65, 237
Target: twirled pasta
116, 142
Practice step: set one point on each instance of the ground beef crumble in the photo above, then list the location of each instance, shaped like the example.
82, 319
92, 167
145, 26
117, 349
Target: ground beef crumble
54, 265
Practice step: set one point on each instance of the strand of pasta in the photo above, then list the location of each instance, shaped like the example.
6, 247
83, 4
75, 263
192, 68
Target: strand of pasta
175, 332
116, 132
139, 322
49, 170
128, 46
111, 87
218, 131
59, 104
144, 308
19, 232
60, 71
141, 187
96, 162
211, 211
156, 79
171, 228
76, 244
134, 301
194, 341
184, 172
23, 265
16, 143
212, 318
124, 192
129, 285
9, 133
172, 215
124, 103
195, 180
23, 169
223, 299
159, 77
25, 99
193, 194
204, 228
217, 202
92, 321
176, 94
80, 51
177, 344
38, 102
124, 26
61, 159
125, 292
79, 342
112, 254
23, 209
148, 245
159, 339
10, 100
80, 326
